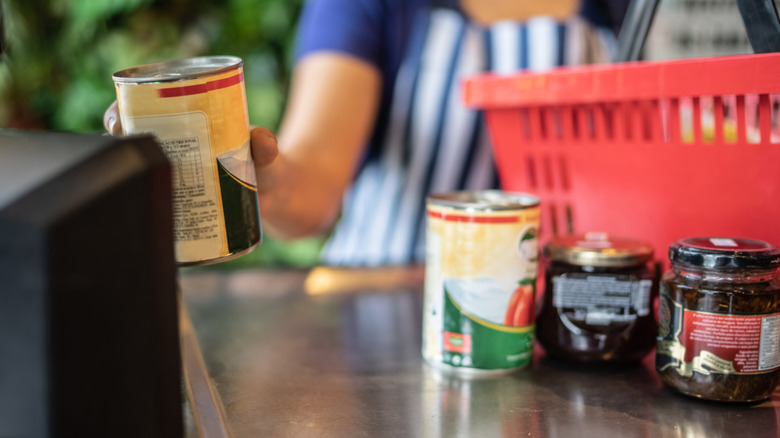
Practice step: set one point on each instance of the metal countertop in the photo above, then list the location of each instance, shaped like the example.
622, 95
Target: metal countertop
336, 353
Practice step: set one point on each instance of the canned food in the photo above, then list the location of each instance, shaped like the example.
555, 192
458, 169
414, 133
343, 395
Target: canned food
480, 280
598, 300
197, 110
719, 311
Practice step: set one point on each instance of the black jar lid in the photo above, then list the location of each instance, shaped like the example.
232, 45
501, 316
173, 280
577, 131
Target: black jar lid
724, 253
598, 249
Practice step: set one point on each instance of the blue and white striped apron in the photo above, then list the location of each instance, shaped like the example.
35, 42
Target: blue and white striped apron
432, 142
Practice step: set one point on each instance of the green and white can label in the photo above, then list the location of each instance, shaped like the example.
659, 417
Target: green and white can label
480, 280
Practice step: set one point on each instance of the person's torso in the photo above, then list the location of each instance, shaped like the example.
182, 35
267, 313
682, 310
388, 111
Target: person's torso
427, 141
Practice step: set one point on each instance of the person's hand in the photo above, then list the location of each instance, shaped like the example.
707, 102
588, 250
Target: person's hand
265, 151
111, 120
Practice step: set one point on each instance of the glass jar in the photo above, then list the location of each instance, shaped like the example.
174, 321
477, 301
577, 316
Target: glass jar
598, 300
719, 319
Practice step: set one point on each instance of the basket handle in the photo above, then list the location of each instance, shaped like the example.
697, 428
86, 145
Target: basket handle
762, 24
759, 16
633, 33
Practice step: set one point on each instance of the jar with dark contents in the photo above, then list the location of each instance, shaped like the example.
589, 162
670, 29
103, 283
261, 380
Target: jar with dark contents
598, 301
719, 319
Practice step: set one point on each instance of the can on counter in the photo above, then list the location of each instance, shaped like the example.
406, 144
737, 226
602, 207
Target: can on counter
480, 281
196, 108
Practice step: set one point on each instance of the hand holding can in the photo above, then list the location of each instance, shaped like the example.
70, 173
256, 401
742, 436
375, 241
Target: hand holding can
196, 108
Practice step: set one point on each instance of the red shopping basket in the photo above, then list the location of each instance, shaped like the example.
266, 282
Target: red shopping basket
651, 150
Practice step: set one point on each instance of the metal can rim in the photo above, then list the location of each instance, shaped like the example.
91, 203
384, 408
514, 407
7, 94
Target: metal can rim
165, 71
484, 200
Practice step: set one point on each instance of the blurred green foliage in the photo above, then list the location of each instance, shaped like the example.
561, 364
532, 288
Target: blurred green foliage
59, 55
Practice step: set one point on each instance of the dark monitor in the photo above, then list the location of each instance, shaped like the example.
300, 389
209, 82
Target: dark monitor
89, 341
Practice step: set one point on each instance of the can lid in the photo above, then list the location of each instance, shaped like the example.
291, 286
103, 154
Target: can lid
484, 200
598, 249
724, 253
177, 70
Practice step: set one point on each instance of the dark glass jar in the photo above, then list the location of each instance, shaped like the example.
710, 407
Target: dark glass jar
719, 311
598, 300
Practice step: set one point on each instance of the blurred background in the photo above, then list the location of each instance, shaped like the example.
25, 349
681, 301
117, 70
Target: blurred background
59, 55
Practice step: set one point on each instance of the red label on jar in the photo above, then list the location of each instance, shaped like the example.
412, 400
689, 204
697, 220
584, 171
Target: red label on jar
731, 344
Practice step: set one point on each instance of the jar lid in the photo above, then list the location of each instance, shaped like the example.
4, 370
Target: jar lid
724, 253
598, 249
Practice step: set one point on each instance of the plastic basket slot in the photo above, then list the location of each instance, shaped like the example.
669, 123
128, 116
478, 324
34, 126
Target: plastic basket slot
547, 172
583, 124
553, 215
525, 124
622, 121
559, 119
672, 123
697, 135
686, 134
575, 124
741, 122
531, 172
603, 123
710, 119
549, 124
561, 173
641, 123
765, 118
566, 116
729, 118
718, 120
775, 117
752, 116
536, 125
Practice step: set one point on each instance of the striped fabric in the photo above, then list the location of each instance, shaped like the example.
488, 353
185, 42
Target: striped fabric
432, 142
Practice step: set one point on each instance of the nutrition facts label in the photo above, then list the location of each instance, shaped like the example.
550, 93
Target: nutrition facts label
769, 353
184, 154
197, 215
726, 343
601, 299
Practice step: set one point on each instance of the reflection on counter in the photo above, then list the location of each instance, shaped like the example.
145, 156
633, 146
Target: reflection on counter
556, 399
377, 330
288, 363
329, 280
461, 405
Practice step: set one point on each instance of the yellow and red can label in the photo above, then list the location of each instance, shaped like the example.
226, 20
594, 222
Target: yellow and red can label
480, 280
201, 122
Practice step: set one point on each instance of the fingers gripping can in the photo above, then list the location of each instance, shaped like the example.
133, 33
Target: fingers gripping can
197, 110
480, 280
